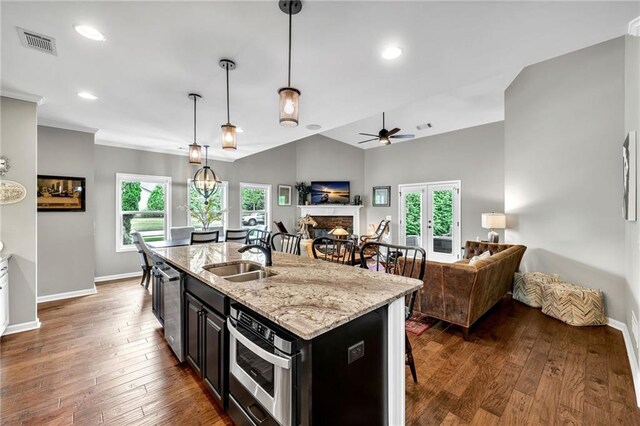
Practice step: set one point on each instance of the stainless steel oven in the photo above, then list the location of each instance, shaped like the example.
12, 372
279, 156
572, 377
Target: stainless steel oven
264, 370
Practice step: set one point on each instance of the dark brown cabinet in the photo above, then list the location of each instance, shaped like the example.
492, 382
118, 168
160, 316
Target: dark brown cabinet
157, 298
205, 344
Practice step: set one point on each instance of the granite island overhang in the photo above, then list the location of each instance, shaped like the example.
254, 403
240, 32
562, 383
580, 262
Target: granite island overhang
309, 298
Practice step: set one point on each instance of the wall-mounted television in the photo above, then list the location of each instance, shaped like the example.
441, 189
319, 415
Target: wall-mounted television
330, 192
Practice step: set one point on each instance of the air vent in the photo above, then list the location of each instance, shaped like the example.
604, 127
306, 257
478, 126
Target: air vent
423, 126
37, 41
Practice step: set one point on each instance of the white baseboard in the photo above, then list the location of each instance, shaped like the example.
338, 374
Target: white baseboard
117, 277
67, 295
25, 326
633, 362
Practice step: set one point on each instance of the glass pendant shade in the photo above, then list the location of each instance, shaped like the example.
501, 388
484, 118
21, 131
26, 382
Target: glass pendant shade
206, 182
195, 154
289, 100
385, 140
229, 137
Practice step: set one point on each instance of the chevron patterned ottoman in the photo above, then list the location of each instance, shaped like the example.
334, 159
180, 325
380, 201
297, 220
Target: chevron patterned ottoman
527, 287
573, 304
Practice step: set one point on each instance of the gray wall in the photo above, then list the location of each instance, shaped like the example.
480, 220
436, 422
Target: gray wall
632, 229
564, 126
66, 239
475, 156
18, 141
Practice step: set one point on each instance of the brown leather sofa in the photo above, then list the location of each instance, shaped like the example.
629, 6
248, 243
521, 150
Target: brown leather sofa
460, 293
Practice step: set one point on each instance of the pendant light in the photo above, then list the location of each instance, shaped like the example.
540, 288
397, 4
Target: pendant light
229, 133
195, 151
205, 181
289, 96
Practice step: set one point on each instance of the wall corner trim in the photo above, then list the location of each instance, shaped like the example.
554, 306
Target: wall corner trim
66, 126
117, 277
67, 295
633, 362
28, 97
25, 326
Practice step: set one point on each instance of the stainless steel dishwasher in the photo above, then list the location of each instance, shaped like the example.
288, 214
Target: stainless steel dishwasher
168, 284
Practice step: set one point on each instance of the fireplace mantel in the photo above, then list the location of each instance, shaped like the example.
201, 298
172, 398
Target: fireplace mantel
334, 210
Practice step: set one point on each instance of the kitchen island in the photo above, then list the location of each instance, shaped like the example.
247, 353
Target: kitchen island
327, 307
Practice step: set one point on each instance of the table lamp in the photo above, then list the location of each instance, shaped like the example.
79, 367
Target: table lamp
339, 232
494, 221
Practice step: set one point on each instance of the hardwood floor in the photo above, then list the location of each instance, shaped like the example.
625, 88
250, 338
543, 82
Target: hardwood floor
102, 359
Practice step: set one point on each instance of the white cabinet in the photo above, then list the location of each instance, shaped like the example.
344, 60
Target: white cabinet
4, 295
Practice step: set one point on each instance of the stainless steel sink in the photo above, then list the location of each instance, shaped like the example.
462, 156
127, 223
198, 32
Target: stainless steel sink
249, 276
240, 271
233, 268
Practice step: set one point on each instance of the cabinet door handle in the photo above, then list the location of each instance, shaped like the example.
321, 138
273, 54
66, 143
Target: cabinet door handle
260, 416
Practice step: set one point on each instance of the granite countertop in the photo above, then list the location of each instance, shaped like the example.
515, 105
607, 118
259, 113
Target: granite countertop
306, 296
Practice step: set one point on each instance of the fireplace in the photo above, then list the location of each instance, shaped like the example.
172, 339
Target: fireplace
332, 215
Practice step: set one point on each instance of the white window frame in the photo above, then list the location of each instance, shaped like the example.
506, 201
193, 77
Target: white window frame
127, 177
268, 203
225, 204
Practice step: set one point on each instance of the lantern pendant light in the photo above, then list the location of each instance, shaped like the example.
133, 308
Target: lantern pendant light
195, 151
289, 96
205, 180
229, 133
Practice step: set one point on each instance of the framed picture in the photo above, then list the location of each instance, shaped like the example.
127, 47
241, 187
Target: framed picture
381, 196
61, 194
629, 177
284, 195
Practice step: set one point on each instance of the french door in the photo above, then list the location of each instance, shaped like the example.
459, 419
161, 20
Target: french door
430, 218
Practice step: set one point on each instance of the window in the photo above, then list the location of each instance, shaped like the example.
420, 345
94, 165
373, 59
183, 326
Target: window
255, 206
215, 213
143, 204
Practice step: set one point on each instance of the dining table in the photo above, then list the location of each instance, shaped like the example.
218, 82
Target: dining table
169, 243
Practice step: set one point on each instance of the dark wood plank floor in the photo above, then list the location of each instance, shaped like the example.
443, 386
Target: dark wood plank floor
102, 359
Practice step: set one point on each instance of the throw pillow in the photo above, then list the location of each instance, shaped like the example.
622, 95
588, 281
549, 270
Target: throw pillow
527, 287
484, 255
573, 304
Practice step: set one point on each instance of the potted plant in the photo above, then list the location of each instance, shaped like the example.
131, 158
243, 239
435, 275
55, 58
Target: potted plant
303, 192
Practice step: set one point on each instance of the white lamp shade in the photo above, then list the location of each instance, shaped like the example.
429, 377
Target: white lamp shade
494, 220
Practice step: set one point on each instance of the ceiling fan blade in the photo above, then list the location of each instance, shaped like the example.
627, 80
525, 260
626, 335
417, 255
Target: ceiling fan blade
368, 140
403, 136
368, 134
393, 131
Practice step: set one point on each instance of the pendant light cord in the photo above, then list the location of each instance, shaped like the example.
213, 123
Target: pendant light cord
195, 98
228, 119
290, 21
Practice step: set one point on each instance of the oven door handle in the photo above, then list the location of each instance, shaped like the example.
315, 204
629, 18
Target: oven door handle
166, 276
267, 356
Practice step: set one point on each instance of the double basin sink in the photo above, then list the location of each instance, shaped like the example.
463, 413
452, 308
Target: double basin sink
240, 271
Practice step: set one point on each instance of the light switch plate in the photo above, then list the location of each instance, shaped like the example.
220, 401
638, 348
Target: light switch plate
388, 217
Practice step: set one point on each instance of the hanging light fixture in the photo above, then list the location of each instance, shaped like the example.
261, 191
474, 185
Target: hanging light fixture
195, 151
205, 181
289, 96
229, 131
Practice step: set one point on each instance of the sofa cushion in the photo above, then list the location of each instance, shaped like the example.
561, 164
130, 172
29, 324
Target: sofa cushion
573, 304
527, 287
476, 259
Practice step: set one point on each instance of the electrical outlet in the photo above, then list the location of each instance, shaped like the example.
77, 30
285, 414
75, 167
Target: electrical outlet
634, 328
388, 217
355, 352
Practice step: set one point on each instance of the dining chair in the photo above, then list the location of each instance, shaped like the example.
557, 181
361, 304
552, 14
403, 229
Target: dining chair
398, 260
203, 237
259, 236
181, 232
237, 235
145, 257
281, 228
334, 250
286, 243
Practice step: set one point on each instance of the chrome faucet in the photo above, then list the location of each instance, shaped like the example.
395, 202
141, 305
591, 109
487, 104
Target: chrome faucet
266, 250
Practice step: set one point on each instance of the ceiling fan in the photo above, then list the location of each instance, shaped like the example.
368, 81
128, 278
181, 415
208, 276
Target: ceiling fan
384, 136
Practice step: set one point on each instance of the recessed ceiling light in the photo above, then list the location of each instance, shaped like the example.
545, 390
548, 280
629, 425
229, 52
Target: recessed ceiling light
314, 127
89, 32
239, 130
87, 95
391, 52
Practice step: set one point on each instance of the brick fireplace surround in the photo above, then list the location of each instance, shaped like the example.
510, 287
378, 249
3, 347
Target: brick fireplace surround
329, 216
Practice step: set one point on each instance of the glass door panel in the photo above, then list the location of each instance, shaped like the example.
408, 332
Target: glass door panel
413, 213
442, 227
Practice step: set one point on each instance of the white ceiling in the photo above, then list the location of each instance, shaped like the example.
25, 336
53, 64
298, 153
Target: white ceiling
458, 58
